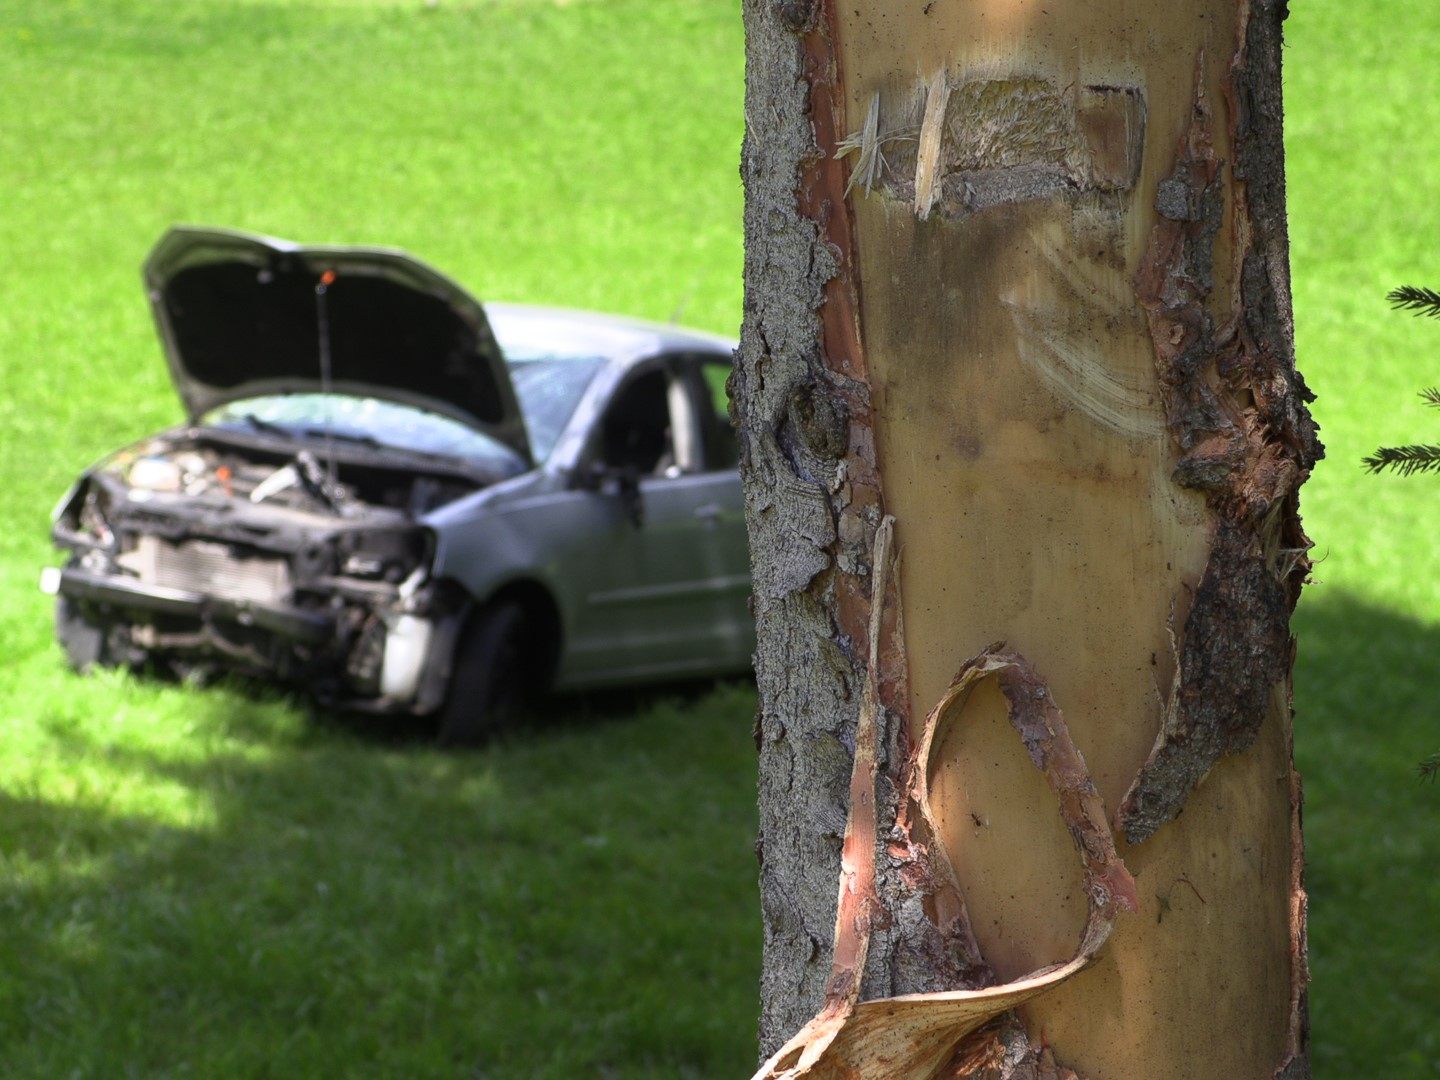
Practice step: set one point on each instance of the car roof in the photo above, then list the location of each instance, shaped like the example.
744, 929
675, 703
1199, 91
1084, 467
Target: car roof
528, 328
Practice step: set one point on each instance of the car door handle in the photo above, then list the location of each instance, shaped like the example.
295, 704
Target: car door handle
709, 513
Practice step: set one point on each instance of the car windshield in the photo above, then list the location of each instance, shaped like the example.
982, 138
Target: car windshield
548, 388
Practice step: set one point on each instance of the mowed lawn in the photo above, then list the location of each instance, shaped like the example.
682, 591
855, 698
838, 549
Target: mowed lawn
217, 883
209, 884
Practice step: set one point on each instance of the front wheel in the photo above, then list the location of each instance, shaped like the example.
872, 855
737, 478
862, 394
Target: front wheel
490, 677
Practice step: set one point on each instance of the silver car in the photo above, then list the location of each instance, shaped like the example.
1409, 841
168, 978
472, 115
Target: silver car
406, 502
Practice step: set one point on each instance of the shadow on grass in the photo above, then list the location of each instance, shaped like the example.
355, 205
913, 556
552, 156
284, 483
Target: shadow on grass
1366, 713
263, 897
552, 712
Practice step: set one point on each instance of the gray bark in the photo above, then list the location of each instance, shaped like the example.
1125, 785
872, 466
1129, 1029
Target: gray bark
809, 682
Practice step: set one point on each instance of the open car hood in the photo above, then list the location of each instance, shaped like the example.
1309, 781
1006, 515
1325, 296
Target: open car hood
239, 316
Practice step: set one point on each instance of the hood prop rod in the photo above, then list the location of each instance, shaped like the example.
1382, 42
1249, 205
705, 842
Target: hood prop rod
322, 314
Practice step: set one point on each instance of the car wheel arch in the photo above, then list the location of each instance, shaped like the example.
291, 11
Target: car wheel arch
545, 628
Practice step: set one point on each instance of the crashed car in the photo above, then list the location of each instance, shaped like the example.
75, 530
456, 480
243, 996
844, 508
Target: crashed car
404, 501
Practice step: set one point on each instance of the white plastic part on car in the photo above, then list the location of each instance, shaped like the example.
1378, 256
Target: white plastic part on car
284, 477
50, 580
407, 642
154, 474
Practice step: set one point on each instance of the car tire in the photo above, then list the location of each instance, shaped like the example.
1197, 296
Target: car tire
489, 678
84, 641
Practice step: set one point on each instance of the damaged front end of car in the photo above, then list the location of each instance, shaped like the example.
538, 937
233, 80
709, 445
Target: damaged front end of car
335, 396
196, 553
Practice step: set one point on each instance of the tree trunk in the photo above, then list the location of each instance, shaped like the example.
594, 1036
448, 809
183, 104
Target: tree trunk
1017, 278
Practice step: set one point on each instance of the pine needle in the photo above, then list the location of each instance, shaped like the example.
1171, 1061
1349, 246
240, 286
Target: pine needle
1431, 396
1429, 768
1406, 460
1420, 301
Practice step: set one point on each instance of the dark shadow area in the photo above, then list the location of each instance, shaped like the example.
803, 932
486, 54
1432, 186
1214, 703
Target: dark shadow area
550, 712
618, 704
291, 900
1366, 714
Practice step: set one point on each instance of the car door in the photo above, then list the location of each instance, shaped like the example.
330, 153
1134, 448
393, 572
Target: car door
648, 576
723, 512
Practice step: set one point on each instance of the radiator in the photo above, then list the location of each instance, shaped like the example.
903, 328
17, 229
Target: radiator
205, 567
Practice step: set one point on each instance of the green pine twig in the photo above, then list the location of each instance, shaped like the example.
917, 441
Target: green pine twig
1429, 768
1406, 460
1425, 302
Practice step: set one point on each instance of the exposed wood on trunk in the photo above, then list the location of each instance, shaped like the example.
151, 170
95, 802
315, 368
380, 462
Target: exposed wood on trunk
1058, 351
915, 1035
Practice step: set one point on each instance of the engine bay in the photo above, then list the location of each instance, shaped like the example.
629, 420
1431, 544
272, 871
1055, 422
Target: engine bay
201, 550
210, 467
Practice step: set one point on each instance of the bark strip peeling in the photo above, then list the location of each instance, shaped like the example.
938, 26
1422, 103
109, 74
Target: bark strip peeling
1234, 406
1296, 1064
916, 1035
813, 506
859, 903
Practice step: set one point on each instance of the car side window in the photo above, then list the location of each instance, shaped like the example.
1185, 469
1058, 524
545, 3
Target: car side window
722, 446
635, 432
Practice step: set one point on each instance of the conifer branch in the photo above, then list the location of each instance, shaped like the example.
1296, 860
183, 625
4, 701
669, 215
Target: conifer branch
1429, 768
1413, 298
1405, 460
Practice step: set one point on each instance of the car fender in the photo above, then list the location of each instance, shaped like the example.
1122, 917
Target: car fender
506, 534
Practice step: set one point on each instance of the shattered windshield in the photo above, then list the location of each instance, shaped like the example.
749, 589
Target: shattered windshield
549, 389
366, 420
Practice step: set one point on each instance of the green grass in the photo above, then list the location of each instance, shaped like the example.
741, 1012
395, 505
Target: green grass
214, 883
233, 891
205, 883
1364, 143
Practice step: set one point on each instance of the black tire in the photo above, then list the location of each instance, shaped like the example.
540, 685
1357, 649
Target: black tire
490, 678
84, 641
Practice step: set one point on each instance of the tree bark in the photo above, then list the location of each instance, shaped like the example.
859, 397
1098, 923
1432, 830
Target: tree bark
1017, 279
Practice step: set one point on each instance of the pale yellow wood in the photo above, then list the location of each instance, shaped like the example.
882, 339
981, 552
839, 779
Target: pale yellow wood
1022, 451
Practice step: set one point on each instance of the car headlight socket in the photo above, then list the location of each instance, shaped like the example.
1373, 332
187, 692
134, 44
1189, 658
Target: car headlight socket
391, 555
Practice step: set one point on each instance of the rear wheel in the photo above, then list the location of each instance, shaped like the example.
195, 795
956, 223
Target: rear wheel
491, 679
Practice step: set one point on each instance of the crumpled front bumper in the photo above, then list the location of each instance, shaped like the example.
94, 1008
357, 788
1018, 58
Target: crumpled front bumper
410, 658
290, 623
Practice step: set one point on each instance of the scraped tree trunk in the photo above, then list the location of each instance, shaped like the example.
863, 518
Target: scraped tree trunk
1017, 279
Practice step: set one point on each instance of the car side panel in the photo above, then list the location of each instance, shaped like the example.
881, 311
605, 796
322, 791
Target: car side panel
666, 579
664, 599
705, 554
539, 537
734, 626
